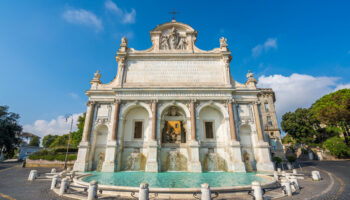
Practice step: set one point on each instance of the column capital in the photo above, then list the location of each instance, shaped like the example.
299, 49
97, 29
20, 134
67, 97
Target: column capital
194, 100
257, 102
233, 101
89, 103
117, 101
121, 61
154, 100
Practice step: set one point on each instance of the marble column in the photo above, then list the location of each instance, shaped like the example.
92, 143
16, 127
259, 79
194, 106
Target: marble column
154, 120
257, 121
116, 120
193, 121
232, 122
152, 155
88, 121
109, 164
81, 164
237, 164
262, 153
193, 151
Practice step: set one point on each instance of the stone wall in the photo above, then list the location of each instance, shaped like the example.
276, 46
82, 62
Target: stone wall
47, 163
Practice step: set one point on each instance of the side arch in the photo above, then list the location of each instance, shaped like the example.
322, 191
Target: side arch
126, 108
215, 105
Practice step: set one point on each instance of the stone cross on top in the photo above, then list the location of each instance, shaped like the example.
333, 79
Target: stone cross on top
173, 13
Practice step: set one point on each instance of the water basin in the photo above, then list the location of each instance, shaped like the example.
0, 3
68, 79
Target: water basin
175, 179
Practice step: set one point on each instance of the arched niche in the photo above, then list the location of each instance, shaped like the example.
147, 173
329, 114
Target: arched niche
211, 117
245, 133
133, 116
173, 124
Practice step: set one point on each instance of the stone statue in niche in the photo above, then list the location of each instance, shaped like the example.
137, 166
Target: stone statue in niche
173, 40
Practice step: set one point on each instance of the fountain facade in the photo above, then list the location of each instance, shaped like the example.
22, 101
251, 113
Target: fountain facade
173, 102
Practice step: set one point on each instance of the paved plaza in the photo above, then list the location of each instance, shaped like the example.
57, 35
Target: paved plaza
334, 184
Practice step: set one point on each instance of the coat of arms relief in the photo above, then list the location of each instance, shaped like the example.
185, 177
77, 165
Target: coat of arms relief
173, 40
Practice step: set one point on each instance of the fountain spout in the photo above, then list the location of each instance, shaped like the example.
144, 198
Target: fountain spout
212, 161
134, 161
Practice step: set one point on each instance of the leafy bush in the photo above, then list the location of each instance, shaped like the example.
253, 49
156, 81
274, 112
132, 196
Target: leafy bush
51, 155
277, 159
337, 147
291, 159
63, 149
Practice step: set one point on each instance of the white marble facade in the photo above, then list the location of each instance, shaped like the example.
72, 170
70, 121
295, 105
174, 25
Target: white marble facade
173, 107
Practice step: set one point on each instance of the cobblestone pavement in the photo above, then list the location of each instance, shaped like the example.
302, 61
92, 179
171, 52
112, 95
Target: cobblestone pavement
325, 189
14, 184
335, 183
341, 173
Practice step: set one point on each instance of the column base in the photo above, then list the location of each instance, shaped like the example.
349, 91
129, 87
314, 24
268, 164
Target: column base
236, 165
81, 164
109, 165
152, 157
264, 162
194, 164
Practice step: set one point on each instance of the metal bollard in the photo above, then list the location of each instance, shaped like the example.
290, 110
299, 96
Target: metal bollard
286, 184
295, 171
295, 184
53, 170
275, 175
64, 186
54, 182
144, 191
205, 190
316, 175
258, 193
33, 174
92, 191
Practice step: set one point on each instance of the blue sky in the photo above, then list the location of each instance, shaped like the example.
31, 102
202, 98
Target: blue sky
49, 50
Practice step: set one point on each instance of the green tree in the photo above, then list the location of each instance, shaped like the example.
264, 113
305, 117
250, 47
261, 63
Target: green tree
334, 109
288, 139
300, 125
35, 141
10, 130
60, 141
48, 140
337, 147
77, 135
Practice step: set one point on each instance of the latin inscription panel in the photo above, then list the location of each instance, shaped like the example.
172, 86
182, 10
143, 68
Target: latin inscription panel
175, 72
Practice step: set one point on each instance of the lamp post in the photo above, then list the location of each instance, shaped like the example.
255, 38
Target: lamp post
70, 131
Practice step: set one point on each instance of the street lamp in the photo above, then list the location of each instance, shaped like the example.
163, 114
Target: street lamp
70, 131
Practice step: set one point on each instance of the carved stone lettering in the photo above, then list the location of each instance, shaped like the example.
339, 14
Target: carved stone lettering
175, 72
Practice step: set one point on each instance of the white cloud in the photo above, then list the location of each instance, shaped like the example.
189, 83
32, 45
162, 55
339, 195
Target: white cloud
126, 17
270, 43
74, 95
297, 90
342, 86
83, 17
58, 126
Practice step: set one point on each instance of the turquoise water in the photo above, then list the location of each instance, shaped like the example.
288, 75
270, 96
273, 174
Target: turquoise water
175, 179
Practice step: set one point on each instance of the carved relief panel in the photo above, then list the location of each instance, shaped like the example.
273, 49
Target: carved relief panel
173, 39
103, 113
